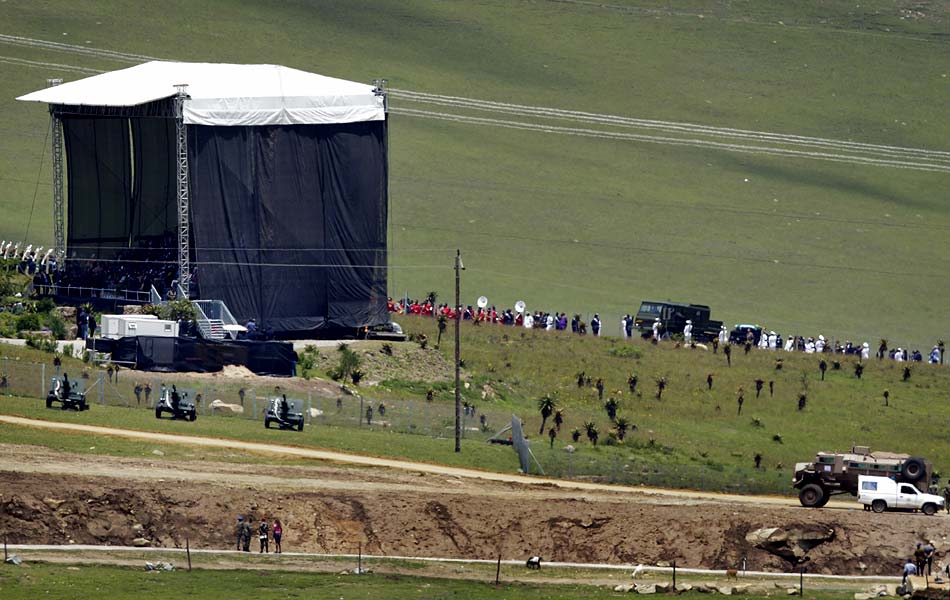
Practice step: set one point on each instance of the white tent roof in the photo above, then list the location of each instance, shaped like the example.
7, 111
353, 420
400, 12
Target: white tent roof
225, 94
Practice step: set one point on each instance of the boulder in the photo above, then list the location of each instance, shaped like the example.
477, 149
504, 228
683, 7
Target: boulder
663, 587
791, 592
725, 590
132, 309
218, 405
315, 412
623, 587
891, 588
684, 587
645, 588
53, 503
790, 543
140, 542
863, 596
706, 588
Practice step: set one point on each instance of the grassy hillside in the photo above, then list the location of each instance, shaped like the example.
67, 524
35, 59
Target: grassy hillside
568, 219
691, 436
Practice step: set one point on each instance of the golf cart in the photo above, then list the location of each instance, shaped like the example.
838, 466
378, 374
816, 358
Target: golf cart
283, 413
185, 408
71, 394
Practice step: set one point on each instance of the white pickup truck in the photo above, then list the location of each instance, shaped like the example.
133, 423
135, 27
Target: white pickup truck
883, 493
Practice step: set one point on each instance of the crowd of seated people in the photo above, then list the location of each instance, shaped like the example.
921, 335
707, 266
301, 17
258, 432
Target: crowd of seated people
152, 263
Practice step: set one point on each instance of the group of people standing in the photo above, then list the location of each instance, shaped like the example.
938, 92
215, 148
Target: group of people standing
264, 532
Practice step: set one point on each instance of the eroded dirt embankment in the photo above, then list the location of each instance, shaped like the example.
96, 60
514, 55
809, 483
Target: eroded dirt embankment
46, 497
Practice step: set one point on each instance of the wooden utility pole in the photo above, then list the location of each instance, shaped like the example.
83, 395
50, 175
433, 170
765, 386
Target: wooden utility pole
458, 318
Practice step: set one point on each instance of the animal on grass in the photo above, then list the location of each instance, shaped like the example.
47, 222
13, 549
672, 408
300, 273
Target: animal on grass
732, 574
534, 563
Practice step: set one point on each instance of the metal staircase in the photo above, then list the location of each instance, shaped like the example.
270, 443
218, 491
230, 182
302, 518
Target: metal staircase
213, 316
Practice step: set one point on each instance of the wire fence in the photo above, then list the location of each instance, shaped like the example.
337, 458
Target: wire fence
234, 399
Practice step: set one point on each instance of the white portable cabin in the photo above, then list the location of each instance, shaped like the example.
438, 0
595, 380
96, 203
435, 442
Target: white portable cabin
114, 327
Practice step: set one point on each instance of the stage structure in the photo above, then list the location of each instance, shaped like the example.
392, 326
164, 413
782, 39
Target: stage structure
266, 187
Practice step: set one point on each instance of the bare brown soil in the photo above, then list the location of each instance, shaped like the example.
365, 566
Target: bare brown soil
47, 497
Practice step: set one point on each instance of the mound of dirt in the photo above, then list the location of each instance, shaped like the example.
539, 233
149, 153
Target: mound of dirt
47, 499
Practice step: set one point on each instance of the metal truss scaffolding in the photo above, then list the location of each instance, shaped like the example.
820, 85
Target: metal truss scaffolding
59, 207
184, 264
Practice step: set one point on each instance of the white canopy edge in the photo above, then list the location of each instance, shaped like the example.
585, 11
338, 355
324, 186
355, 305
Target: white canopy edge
226, 94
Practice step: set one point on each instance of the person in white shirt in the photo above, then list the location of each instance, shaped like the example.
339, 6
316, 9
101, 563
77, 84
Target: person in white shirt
723, 335
820, 344
656, 329
935, 355
763, 340
773, 340
865, 351
549, 325
623, 326
528, 321
810, 346
688, 332
899, 355
790, 344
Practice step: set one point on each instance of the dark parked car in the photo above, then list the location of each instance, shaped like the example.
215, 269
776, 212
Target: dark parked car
387, 331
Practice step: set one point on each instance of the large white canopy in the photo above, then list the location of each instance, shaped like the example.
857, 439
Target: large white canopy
225, 94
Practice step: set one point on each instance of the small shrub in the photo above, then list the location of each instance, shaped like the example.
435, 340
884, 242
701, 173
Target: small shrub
28, 322
356, 375
57, 326
387, 349
45, 305
41, 342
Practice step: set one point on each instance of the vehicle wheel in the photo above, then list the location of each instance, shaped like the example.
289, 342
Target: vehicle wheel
823, 501
83, 406
300, 426
192, 416
929, 509
158, 413
913, 470
49, 402
266, 423
879, 506
812, 495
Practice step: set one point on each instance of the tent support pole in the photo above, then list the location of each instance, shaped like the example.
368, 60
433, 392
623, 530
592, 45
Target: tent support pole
184, 264
59, 208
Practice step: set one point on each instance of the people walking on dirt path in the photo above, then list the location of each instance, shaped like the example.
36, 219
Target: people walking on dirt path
148, 393
263, 536
239, 533
245, 527
929, 552
920, 558
946, 497
909, 569
278, 533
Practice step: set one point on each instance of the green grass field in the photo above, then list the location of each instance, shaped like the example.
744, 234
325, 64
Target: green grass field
569, 221
86, 581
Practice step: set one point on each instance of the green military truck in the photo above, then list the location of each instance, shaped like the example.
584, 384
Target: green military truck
673, 317
837, 473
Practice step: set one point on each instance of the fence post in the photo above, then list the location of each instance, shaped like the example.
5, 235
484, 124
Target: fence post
309, 407
498, 570
253, 404
42, 379
102, 390
359, 416
188, 553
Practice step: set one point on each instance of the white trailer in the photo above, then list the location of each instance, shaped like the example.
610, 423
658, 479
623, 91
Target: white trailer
114, 327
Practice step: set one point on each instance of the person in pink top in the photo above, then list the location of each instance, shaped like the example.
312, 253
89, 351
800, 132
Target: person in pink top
278, 532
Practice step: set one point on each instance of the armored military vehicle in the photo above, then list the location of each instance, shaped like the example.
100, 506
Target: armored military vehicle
180, 407
837, 473
284, 413
70, 394
673, 318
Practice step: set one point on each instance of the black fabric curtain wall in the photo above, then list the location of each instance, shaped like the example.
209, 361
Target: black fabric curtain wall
289, 222
155, 193
100, 180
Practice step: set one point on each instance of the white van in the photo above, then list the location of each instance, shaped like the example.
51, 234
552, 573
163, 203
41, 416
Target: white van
883, 493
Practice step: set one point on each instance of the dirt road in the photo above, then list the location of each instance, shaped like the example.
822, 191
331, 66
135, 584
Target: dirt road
414, 509
681, 496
